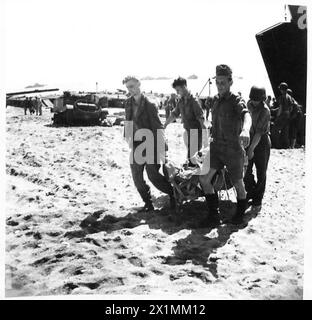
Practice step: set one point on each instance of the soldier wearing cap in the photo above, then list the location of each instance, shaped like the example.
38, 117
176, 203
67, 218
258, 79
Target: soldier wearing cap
258, 151
192, 117
285, 106
231, 122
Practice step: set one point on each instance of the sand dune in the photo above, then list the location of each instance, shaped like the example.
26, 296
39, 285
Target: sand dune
72, 225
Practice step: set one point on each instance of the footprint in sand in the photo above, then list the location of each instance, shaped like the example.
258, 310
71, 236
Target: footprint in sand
140, 274
54, 233
122, 246
177, 276
136, 262
90, 285
157, 271
141, 289
120, 256
12, 223
68, 287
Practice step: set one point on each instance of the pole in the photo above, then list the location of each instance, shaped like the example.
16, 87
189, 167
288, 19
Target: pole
204, 87
209, 86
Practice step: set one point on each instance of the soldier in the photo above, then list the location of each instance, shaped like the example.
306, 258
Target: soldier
192, 117
39, 106
295, 121
258, 151
285, 103
208, 105
26, 105
32, 105
231, 123
170, 104
36, 106
142, 115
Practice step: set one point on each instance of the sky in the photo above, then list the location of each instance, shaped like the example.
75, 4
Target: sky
79, 43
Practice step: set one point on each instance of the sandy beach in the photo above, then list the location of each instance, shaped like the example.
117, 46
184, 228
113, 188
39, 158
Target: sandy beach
72, 225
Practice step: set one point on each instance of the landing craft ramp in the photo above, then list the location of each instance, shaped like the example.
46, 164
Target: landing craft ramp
284, 51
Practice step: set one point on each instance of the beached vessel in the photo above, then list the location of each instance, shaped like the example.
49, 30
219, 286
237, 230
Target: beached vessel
284, 52
17, 99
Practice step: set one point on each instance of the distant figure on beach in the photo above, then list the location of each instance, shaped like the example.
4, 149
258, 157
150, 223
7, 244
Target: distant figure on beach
192, 118
26, 105
208, 105
143, 114
258, 151
32, 106
296, 122
170, 105
282, 122
38, 104
167, 107
231, 123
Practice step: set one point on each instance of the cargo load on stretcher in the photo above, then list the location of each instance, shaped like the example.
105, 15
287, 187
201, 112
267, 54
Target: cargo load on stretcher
186, 184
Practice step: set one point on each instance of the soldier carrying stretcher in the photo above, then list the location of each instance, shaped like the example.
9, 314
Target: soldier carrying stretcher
231, 123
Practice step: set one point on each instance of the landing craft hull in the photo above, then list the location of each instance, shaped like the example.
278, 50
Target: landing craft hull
284, 52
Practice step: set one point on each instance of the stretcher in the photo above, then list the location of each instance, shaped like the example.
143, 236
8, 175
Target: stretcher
186, 185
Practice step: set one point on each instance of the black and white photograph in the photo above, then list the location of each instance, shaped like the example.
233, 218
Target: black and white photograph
155, 149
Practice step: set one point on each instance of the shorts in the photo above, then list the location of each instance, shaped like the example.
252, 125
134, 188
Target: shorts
231, 156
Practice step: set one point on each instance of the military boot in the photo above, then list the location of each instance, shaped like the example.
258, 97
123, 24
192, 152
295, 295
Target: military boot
147, 198
213, 217
172, 202
147, 207
242, 205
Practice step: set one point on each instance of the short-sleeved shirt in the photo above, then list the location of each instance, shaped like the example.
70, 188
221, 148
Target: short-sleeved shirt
260, 116
227, 115
191, 112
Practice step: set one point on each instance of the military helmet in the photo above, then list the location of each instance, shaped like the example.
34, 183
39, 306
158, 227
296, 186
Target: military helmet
283, 86
257, 93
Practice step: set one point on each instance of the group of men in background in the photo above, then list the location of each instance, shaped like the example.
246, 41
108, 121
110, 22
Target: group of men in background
287, 120
33, 106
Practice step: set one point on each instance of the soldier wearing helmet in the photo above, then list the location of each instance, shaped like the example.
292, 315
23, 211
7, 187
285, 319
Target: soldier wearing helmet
258, 151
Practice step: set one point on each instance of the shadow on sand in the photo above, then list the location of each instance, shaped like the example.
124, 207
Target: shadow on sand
199, 246
82, 124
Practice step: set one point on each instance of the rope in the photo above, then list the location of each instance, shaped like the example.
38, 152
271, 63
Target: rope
204, 87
